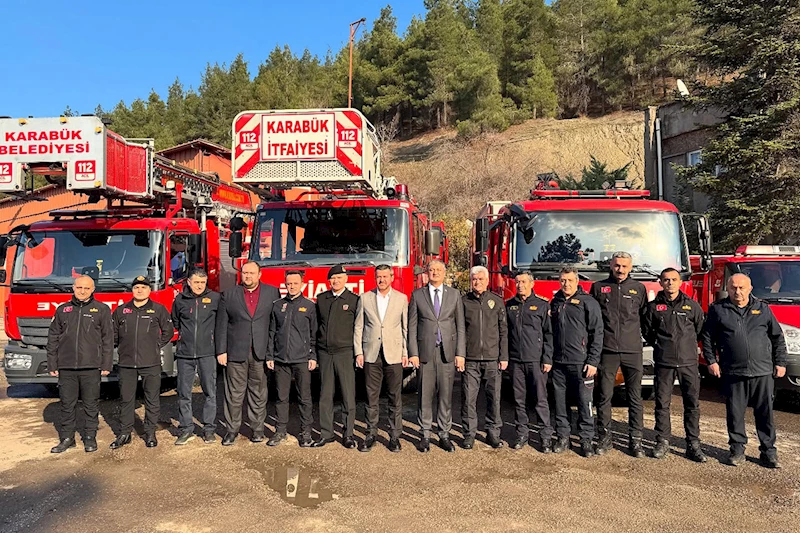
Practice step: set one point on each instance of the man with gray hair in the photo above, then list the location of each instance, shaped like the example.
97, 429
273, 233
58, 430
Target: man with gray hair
623, 303
743, 344
487, 355
436, 348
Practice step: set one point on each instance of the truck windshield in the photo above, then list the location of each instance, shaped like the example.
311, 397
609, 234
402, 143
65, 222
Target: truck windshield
655, 240
325, 235
51, 260
773, 281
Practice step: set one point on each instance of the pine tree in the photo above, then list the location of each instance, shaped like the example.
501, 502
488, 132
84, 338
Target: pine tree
751, 168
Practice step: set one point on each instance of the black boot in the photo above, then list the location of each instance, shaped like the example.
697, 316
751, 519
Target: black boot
121, 441
63, 445
90, 443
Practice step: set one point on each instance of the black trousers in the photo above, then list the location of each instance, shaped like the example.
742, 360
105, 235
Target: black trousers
758, 393
302, 387
151, 385
475, 375
206, 367
435, 384
83, 385
376, 374
689, 381
246, 378
632, 371
568, 380
335, 367
525, 378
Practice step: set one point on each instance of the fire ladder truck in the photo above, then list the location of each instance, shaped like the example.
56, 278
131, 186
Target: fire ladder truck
161, 219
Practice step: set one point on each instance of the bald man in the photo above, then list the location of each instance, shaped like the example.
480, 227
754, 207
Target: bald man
743, 344
80, 347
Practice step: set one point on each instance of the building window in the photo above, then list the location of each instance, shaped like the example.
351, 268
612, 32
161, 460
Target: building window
694, 158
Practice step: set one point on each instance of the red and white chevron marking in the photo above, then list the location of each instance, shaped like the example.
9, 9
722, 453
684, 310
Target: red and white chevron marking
246, 143
348, 141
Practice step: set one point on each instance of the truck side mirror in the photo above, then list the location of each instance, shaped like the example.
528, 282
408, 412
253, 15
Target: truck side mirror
482, 235
195, 252
3, 249
237, 224
704, 237
433, 241
235, 242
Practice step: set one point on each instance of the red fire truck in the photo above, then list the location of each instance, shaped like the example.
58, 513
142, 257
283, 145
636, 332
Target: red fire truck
327, 201
160, 220
554, 228
775, 273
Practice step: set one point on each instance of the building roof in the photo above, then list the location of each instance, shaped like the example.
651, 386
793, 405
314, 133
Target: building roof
198, 144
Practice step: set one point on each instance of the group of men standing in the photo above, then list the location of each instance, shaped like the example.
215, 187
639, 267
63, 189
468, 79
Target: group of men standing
576, 340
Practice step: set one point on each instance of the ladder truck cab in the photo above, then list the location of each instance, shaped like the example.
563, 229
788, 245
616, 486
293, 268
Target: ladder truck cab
160, 220
775, 274
555, 228
327, 202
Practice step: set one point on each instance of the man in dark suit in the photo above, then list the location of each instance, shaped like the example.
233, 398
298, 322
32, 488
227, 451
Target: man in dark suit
436, 348
241, 340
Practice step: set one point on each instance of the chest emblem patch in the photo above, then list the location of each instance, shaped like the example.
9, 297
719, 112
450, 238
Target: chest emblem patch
206, 300
302, 309
491, 304
575, 301
756, 312
534, 308
345, 307
68, 309
661, 307
605, 289
633, 291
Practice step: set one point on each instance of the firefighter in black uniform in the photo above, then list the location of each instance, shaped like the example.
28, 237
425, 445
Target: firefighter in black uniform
577, 343
141, 328
623, 302
530, 350
291, 353
743, 344
487, 356
672, 326
80, 348
336, 318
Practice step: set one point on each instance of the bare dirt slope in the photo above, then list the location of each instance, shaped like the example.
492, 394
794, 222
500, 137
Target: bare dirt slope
453, 177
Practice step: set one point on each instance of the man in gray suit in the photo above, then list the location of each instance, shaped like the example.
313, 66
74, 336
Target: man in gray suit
379, 340
436, 348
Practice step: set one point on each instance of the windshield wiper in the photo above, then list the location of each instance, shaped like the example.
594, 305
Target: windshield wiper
299, 262
125, 285
641, 269
33, 283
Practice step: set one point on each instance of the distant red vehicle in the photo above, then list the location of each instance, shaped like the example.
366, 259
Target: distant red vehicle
161, 220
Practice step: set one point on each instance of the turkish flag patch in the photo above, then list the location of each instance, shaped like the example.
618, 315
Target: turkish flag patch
68, 309
126, 311
605, 289
661, 307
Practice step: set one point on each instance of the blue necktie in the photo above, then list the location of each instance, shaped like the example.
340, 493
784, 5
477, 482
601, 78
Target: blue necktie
437, 306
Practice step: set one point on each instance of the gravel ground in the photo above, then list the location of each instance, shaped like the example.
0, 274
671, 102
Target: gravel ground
250, 487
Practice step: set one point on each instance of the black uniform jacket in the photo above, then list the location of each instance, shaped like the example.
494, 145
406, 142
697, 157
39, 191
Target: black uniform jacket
81, 336
486, 327
746, 342
672, 329
292, 331
140, 333
336, 320
530, 333
238, 334
577, 329
622, 305
195, 318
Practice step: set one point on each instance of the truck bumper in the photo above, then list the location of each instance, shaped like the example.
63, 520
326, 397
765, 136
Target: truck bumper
28, 364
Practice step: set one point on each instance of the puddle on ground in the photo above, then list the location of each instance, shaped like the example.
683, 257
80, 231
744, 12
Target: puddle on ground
298, 486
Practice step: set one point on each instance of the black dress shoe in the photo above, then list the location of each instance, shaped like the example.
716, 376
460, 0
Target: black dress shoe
89, 444
349, 443
394, 445
494, 443
468, 443
150, 441
228, 439
446, 444
63, 445
276, 439
305, 441
121, 441
367, 445
257, 438
322, 442
424, 445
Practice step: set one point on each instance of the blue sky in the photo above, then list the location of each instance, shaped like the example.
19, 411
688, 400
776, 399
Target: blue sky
85, 52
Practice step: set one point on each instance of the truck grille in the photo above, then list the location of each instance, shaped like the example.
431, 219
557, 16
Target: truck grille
34, 330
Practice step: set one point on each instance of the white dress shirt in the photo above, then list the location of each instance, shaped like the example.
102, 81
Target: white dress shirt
440, 288
383, 303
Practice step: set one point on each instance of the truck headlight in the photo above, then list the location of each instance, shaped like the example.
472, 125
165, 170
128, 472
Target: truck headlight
792, 336
17, 361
